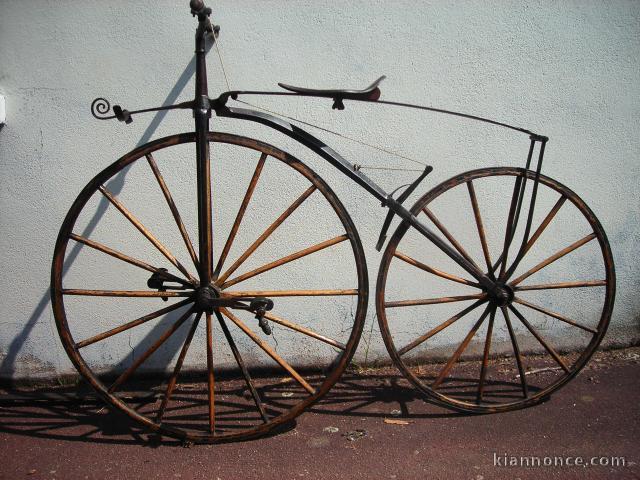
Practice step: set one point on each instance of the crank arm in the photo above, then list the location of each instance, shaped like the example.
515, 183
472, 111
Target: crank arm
257, 305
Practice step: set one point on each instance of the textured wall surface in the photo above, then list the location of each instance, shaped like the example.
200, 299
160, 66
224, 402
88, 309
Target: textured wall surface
568, 70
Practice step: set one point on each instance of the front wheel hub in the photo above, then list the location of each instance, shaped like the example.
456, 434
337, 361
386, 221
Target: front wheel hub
501, 294
205, 298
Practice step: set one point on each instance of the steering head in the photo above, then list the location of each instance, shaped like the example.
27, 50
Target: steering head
199, 8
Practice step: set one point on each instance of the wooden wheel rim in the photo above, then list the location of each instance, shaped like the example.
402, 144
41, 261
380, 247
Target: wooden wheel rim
85, 370
584, 356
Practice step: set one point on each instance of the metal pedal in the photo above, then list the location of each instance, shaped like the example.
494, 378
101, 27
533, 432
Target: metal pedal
260, 306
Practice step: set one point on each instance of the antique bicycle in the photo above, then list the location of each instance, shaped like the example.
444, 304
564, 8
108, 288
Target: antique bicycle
295, 297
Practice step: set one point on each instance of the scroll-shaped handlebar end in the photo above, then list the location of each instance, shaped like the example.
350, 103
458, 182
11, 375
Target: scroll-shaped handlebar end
101, 109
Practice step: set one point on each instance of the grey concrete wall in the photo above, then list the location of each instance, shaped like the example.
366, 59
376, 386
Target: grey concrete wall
568, 70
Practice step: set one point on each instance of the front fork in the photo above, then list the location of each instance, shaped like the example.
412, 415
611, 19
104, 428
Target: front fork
205, 234
207, 298
202, 114
497, 289
484, 280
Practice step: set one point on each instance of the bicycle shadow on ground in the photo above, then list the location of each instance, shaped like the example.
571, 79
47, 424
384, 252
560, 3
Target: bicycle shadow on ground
74, 414
115, 185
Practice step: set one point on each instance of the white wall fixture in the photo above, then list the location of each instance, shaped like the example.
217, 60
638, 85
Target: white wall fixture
3, 111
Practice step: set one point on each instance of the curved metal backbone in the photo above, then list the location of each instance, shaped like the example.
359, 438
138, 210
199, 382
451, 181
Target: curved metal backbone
308, 140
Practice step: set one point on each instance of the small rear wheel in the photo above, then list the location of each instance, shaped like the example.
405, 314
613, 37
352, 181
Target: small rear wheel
467, 349
141, 330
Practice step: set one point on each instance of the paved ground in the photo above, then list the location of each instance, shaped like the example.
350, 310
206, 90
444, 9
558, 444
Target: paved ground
594, 416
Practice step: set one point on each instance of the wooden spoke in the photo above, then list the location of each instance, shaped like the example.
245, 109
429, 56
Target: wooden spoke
510, 230
289, 293
551, 286
304, 330
536, 234
176, 371
268, 350
427, 268
516, 351
142, 229
210, 377
529, 236
485, 356
133, 323
173, 208
266, 234
553, 258
123, 293
442, 326
287, 259
553, 314
121, 256
447, 234
525, 248
479, 225
534, 332
158, 343
214, 409
454, 358
243, 368
433, 301
240, 214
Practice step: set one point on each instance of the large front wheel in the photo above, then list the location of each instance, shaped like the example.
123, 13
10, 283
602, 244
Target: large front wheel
227, 361
480, 353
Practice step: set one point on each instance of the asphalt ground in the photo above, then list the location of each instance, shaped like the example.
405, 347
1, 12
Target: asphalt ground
587, 430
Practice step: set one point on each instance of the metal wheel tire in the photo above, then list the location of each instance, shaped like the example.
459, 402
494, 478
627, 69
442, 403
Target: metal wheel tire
158, 362
440, 327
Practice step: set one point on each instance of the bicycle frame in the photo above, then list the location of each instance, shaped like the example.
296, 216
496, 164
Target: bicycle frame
335, 159
202, 107
209, 295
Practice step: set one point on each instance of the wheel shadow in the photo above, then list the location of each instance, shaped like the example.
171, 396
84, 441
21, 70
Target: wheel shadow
61, 415
383, 396
75, 414
379, 396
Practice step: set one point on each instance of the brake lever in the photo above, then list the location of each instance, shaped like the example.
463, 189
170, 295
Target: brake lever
403, 196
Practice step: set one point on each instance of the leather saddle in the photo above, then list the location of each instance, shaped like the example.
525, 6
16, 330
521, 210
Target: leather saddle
372, 93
